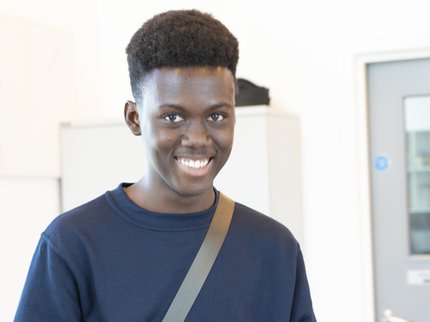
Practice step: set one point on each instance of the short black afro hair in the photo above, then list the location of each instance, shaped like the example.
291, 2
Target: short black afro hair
180, 38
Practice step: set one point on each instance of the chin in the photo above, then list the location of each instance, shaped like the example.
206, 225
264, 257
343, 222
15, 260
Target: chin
194, 190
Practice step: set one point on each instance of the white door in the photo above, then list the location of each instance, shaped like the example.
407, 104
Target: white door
399, 125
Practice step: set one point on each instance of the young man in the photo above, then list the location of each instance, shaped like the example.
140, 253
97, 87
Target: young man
124, 255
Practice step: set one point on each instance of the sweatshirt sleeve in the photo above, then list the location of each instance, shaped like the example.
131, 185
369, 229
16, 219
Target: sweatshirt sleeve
50, 291
302, 310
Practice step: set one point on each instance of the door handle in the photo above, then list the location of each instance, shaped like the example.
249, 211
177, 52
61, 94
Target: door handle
389, 317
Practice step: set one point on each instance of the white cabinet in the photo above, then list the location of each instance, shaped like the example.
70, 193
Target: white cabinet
263, 171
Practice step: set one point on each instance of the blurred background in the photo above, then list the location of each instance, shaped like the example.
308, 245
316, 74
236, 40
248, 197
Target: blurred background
64, 61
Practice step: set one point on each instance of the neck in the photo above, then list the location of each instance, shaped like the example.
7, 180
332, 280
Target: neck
171, 202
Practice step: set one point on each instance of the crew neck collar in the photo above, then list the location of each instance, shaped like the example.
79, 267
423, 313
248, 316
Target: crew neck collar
123, 205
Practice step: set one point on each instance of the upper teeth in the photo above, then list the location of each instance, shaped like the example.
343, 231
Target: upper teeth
196, 164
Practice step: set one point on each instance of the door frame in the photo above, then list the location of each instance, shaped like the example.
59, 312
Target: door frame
361, 60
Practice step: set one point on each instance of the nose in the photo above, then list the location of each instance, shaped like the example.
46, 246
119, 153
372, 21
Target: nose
196, 135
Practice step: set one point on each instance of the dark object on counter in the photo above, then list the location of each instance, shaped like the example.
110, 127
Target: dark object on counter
250, 94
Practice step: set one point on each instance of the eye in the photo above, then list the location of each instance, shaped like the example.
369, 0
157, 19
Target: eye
172, 117
215, 117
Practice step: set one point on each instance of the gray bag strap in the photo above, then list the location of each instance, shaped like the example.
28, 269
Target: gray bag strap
203, 262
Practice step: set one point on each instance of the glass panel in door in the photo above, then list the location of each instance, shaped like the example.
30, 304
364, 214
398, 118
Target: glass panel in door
417, 126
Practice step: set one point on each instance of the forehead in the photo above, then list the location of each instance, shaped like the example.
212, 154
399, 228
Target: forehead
190, 83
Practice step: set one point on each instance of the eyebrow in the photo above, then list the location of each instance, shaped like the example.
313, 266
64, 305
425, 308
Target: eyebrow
174, 106
183, 109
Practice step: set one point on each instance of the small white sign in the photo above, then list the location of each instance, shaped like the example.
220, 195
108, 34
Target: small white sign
419, 277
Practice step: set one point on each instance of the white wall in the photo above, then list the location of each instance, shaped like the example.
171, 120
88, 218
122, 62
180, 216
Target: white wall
78, 19
305, 52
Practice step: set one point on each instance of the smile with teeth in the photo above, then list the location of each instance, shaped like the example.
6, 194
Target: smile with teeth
194, 164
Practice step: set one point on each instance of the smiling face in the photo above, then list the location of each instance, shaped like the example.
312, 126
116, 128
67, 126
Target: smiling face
186, 117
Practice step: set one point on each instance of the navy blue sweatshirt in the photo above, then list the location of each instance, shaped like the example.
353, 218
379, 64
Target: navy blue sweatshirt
111, 261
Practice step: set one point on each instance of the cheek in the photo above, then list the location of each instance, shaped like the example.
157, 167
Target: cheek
159, 140
225, 139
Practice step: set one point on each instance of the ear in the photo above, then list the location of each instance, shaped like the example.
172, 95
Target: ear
131, 116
